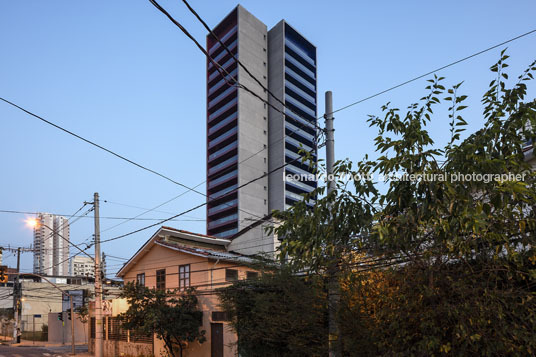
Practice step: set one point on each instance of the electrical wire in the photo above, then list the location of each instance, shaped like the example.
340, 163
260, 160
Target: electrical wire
103, 217
224, 46
432, 72
147, 209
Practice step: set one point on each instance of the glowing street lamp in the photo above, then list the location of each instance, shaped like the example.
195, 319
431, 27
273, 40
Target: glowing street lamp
32, 222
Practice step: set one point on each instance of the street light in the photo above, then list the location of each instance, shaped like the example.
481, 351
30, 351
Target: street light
32, 222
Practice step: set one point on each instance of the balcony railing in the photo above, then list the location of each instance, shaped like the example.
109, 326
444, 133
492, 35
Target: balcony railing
300, 132
300, 79
221, 55
297, 144
222, 109
222, 137
223, 39
223, 220
299, 119
217, 73
222, 96
222, 123
300, 92
300, 105
216, 182
299, 51
226, 234
298, 64
223, 164
222, 151
222, 207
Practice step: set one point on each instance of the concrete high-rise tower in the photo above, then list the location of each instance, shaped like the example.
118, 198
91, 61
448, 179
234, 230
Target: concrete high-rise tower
246, 138
51, 244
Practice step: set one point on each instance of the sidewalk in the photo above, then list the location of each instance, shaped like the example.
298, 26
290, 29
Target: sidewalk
81, 349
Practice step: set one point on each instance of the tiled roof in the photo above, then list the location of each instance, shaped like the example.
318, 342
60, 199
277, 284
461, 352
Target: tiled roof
187, 232
206, 252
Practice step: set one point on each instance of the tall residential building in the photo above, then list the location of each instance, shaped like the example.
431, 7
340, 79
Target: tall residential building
51, 244
292, 78
246, 138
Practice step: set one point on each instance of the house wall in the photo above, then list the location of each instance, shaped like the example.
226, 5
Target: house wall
206, 275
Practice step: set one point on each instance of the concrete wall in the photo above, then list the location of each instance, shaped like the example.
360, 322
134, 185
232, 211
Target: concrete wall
60, 331
276, 123
123, 348
252, 119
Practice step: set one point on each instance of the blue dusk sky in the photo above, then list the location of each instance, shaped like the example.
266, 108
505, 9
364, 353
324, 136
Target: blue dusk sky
120, 74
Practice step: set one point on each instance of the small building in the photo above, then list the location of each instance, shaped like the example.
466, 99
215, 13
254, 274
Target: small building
39, 297
82, 266
177, 259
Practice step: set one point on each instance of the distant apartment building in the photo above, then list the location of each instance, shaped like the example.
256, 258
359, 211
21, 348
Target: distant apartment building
51, 245
82, 266
246, 137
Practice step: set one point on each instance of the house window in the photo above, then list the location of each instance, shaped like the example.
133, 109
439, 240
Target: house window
184, 276
219, 316
140, 279
161, 279
231, 274
252, 275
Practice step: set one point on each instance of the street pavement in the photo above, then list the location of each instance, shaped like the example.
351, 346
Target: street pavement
30, 351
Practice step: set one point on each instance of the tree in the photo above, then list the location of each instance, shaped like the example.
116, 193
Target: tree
278, 314
83, 316
432, 262
172, 315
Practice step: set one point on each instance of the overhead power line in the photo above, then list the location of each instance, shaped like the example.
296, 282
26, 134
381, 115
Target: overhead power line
106, 217
434, 71
96, 145
116, 154
224, 46
261, 219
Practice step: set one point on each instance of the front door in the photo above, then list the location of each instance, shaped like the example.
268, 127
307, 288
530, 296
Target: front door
216, 340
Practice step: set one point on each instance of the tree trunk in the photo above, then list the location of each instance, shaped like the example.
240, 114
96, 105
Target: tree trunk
169, 346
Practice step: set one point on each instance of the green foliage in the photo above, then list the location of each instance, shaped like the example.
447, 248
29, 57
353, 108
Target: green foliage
277, 315
83, 313
174, 316
453, 259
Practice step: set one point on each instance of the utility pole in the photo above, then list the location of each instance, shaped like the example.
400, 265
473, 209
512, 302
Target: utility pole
16, 300
333, 268
98, 282
73, 349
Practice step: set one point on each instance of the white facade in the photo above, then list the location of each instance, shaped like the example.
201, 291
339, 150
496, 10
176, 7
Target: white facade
51, 244
82, 266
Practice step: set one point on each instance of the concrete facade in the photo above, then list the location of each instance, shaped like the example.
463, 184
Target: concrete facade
60, 331
82, 266
292, 78
265, 138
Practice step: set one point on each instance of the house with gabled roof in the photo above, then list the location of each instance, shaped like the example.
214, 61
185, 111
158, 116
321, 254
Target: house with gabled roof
178, 259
